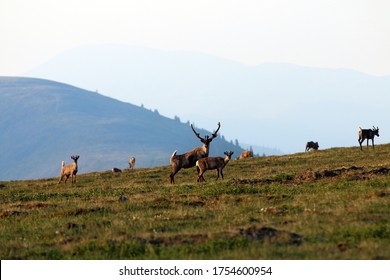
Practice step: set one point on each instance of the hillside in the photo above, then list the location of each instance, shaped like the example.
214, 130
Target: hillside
43, 123
275, 105
330, 204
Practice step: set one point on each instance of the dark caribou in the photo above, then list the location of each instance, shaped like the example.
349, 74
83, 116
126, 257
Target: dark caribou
367, 134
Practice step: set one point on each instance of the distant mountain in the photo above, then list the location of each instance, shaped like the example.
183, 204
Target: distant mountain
44, 122
268, 105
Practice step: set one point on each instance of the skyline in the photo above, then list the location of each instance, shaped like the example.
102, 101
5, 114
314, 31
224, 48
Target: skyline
279, 100
328, 34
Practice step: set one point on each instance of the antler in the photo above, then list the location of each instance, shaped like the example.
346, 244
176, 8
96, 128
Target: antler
216, 132
196, 133
75, 157
207, 137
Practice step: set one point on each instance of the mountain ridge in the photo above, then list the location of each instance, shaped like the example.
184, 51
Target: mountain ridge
44, 122
272, 104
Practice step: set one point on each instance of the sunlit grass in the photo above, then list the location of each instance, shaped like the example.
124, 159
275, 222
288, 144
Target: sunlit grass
331, 204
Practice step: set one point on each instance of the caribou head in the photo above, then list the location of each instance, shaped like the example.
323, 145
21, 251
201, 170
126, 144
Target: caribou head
207, 139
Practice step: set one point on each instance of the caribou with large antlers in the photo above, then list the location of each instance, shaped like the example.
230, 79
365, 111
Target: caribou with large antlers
189, 159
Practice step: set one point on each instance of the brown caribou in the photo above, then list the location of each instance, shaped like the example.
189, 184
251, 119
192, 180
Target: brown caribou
69, 170
189, 159
210, 163
246, 154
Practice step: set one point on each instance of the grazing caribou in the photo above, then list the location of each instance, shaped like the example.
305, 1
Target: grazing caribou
210, 163
189, 159
311, 145
367, 134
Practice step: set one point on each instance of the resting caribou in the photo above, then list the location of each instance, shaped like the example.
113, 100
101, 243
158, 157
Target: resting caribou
246, 154
367, 134
189, 159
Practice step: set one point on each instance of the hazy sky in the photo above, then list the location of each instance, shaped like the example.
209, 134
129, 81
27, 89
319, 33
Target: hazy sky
353, 34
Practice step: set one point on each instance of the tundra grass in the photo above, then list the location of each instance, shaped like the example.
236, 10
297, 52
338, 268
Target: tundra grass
330, 204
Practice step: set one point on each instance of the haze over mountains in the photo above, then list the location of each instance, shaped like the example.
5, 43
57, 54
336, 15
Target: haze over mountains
44, 122
280, 106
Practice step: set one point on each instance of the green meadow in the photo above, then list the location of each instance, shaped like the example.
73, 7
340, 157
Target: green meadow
327, 204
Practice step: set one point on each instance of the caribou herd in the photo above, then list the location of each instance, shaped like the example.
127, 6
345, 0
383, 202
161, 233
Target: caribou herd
199, 156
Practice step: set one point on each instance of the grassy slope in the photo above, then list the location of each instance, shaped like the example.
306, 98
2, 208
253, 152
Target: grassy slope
331, 204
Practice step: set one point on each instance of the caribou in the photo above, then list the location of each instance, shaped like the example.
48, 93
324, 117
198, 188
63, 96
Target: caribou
69, 170
132, 162
246, 154
367, 134
189, 159
210, 163
311, 146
